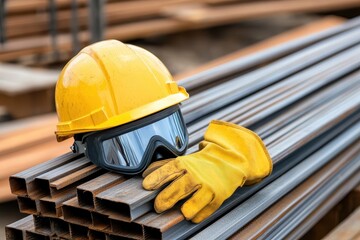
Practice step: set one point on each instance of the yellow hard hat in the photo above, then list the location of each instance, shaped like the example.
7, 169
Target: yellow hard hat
110, 83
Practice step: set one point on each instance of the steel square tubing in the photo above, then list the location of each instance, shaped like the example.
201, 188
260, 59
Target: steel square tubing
28, 205
263, 223
228, 224
16, 230
73, 213
334, 77
126, 229
248, 62
96, 235
51, 205
184, 228
22, 184
42, 182
313, 78
60, 228
86, 192
324, 208
308, 104
42, 224
78, 231
125, 201
346, 179
129, 197
100, 222
224, 94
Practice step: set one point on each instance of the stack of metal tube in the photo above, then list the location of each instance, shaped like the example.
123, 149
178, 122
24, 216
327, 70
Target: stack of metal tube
302, 98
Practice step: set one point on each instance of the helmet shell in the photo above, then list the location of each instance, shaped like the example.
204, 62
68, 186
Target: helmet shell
110, 83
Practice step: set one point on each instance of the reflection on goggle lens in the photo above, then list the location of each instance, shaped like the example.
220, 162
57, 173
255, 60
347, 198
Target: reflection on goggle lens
129, 148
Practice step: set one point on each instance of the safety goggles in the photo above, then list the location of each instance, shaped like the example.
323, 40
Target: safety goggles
130, 148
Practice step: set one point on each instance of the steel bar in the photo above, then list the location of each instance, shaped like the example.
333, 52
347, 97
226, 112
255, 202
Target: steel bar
276, 212
228, 224
241, 64
16, 230
225, 94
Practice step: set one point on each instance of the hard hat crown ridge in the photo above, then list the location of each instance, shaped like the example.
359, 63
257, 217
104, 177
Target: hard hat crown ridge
110, 83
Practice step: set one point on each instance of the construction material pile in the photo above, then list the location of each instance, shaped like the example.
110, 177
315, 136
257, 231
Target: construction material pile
36, 32
301, 98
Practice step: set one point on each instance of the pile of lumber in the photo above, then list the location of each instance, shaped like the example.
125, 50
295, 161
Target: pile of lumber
27, 23
27, 91
301, 98
26, 138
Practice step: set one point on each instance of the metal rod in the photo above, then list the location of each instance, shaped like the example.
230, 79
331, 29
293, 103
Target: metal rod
2, 21
74, 25
53, 28
96, 19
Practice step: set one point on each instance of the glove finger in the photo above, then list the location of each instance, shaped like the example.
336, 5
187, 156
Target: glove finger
155, 165
197, 202
177, 190
206, 211
162, 175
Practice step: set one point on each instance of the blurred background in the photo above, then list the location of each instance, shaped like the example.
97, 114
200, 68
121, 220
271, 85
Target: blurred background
38, 37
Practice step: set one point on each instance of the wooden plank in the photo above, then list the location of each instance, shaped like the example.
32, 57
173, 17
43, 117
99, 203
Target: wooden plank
16, 79
308, 29
206, 15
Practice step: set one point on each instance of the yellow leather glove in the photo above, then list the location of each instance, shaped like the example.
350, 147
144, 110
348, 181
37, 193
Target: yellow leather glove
229, 157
